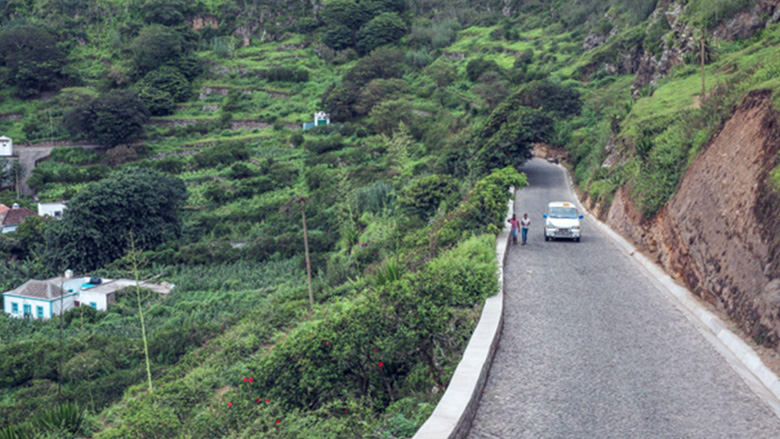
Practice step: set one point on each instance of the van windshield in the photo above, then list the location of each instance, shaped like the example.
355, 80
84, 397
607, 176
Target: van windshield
563, 212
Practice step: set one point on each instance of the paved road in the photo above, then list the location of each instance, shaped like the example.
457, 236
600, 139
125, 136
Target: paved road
590, 349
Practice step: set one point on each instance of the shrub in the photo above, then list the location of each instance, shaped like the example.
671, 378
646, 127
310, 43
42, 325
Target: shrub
319, 145
476, 67
286, 74
156, 46
383, 29
423, 196
109, 120
221, 155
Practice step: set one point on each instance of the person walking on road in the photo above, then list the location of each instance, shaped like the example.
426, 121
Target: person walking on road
524, 223
515, 225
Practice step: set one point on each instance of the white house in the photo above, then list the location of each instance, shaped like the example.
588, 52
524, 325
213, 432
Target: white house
52, 209
38, 299
6, 147
320, 118
41, 299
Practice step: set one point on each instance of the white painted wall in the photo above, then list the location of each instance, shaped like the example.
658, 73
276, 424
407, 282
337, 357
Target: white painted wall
51, 209
86, 298
6, 147
50, 308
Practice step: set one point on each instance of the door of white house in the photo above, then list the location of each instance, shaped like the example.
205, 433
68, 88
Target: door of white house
27, 310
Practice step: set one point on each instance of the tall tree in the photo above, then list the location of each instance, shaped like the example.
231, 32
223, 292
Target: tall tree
30, 60
101, 218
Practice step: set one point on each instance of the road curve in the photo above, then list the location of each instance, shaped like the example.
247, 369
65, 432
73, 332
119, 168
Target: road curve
590, 348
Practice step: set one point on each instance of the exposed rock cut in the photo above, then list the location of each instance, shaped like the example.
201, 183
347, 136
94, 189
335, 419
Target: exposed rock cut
720, 233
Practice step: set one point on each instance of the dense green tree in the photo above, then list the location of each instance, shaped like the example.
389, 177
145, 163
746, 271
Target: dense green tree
476, 67
156, 46
166, 12
111, 119
30, 60
386, 28
554, 98
424, 195
136, 202
160, 89
508, 136
344, 13
339, 37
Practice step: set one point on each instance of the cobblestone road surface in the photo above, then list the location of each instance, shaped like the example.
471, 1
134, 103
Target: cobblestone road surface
590, 349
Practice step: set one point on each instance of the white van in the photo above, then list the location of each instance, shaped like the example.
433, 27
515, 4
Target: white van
562, 220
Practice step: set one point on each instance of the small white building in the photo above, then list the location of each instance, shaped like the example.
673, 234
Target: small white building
41, 299
6, 146
320, 118
38, 299
52, 209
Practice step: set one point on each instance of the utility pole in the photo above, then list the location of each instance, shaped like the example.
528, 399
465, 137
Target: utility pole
306, 248
67, 275
288, 209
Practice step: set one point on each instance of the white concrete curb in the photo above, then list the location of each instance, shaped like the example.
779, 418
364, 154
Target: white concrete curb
453, 415
742, 355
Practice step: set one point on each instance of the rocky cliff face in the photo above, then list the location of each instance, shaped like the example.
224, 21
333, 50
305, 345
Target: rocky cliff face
720, 233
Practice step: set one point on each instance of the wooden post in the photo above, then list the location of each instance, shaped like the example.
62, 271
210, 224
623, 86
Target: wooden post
306, 248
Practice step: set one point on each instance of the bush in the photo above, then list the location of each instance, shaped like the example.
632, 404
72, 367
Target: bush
221, 155
154, 47
319, 145
109, 120
423, 196
476, 67
285, 74
383, 29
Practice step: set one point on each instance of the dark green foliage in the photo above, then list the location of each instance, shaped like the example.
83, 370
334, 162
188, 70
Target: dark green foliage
508, 134
30, 60
556, 99
167, 79
339, 37
111, 119
383, 29
344, 13
159, 102
476, 67
285, 74
154, 47
320, 145
166, 12
423, 196
381, 63
138, 202
73, 156
221, 155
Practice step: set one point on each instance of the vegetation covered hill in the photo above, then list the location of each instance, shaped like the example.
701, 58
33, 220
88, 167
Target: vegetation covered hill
205, 171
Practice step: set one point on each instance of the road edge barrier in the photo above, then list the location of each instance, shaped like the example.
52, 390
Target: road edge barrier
453, 415
740, 351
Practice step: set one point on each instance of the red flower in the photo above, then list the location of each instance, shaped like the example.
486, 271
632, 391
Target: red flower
327, 343
267, 401
246, 379
230, 404
374, 349
381, 364
258, 400
278, 421
346, 411
251, 380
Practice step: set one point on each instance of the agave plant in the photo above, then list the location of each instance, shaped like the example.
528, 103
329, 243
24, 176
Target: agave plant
67, 417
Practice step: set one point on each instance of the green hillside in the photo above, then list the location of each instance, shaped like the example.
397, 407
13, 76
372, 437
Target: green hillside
200, 170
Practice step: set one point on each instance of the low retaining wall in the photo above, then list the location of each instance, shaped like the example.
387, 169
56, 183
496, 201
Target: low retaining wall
453, 415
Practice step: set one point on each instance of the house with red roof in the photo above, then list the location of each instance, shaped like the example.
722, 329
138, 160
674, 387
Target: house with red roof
11, 218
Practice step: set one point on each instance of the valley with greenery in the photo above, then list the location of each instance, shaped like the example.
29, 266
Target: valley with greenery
177, 141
